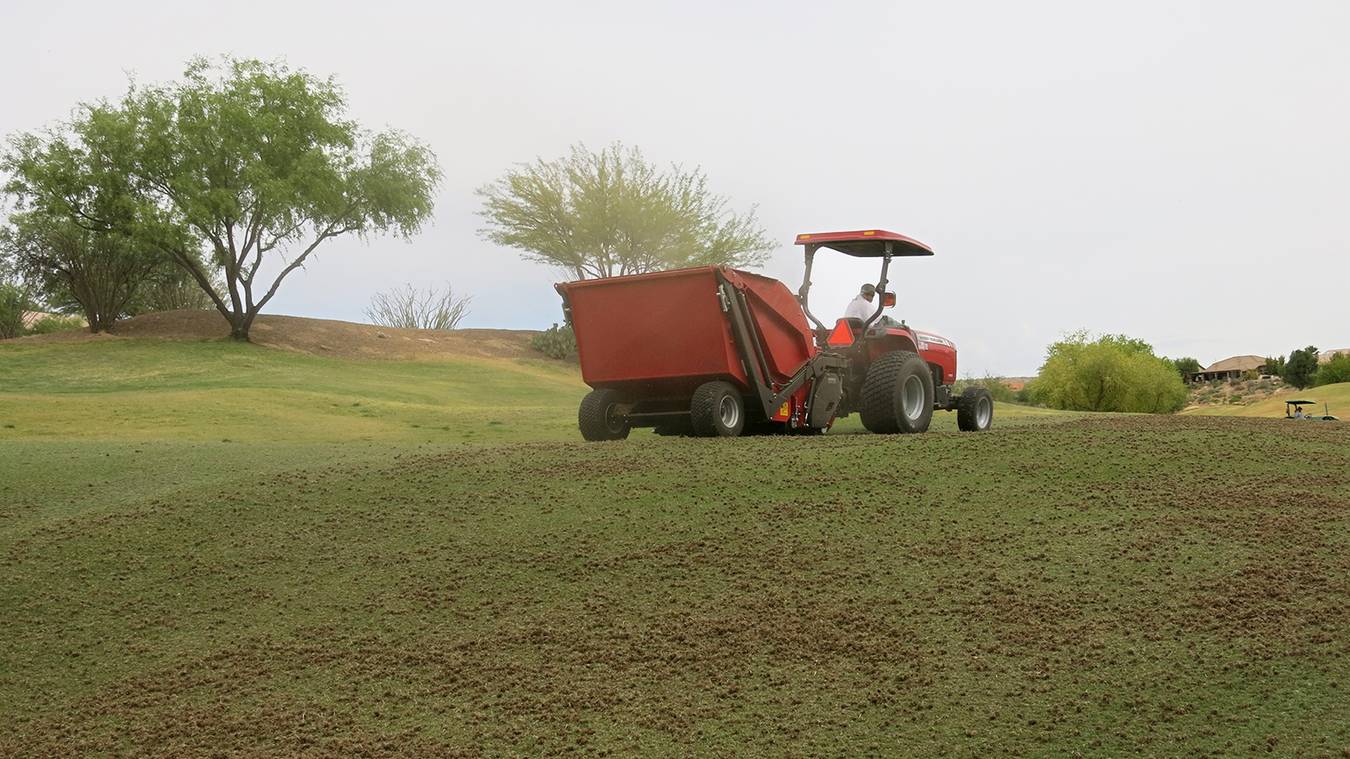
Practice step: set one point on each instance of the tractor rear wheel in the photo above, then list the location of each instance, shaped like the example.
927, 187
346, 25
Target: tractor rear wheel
601, 416
975, 410
897, 394
717, 410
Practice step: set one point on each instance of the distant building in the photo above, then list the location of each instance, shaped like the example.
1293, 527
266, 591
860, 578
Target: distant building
1230, 369
1326, 356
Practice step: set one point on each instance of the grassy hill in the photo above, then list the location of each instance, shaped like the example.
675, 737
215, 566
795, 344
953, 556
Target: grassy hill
214, 390
210, 548
1337, 397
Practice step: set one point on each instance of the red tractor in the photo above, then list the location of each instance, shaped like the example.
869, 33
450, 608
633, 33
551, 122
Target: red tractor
715, 351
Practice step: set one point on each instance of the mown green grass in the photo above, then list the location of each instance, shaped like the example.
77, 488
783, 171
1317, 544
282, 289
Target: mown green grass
333, 583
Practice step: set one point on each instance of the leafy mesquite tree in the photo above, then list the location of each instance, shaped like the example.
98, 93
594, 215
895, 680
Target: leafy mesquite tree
1186, 366
1334, 371
1301, 368
1275, 366
1110, 373
609, 213
246, 168
69, 236
95, 272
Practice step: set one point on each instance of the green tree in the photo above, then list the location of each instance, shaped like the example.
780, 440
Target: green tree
69, 236
609, 213
246, 168
1301, 367
1109, 373
1186, 366
79, 269
1275, 366
1333, 371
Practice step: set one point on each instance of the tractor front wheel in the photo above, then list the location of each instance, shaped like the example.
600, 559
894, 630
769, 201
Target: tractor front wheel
717, 410
601, 416
974, 410
897, 394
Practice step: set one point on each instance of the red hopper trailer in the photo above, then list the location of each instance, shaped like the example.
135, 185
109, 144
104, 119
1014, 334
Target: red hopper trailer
717, 351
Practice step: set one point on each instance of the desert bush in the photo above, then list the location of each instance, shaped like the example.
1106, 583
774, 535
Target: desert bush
408, 307
13, 302
1110, 373
55, 323
557, 342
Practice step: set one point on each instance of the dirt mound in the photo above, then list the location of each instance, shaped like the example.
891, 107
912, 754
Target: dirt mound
322, 337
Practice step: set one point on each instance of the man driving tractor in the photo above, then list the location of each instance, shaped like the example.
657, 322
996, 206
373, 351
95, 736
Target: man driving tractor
861, 307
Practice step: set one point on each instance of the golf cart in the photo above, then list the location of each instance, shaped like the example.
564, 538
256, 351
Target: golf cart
1294, 410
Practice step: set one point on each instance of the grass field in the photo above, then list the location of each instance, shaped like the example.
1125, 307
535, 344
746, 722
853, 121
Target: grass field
214, 549
1336, 397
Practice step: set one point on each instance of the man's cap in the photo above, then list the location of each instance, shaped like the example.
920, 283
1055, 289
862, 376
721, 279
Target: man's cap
869, 289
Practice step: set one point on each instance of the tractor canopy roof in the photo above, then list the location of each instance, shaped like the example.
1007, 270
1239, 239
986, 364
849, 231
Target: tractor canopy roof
866, 243
1299, 403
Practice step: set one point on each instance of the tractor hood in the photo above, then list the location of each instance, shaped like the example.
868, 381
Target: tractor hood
927, 339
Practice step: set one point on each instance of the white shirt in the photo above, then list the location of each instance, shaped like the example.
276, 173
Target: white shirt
860, 308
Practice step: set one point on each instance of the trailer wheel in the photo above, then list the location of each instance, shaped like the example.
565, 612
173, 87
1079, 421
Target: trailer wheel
975, 410
897, 394
717, 410
601, 416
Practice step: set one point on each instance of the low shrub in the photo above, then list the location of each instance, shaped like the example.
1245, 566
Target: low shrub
557, 342
1108, 373
49, 324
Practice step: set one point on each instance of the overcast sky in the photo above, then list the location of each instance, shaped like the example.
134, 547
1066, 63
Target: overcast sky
1179, 172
